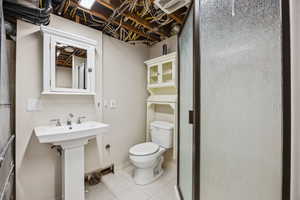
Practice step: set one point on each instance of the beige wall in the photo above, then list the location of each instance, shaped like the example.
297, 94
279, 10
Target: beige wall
157, 49
295, 46
124, 75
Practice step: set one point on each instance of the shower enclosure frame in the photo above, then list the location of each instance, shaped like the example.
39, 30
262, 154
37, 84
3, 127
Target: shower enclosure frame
196, 113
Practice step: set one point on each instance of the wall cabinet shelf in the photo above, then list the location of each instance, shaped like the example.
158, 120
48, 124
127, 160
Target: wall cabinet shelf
162, 85
162, 72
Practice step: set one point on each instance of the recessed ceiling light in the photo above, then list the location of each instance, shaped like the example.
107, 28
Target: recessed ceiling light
58, 52
86, 3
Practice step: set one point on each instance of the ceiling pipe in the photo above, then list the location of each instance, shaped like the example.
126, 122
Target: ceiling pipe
61, 7
36, 16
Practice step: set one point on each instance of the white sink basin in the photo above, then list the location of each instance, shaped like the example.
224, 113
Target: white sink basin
59, 134
72, 140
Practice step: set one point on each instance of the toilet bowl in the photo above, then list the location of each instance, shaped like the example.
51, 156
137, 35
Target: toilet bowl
148, 157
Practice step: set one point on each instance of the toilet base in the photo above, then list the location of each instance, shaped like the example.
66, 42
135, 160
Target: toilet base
144, 176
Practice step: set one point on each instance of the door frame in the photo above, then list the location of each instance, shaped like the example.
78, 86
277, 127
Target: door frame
196, 147
286, 102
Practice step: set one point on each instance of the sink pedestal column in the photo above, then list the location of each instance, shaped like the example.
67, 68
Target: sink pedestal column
73, 170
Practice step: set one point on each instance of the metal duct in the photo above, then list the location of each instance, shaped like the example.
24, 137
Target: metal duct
36, 16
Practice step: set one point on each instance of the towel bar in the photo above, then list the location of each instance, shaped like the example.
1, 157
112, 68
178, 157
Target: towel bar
4, 150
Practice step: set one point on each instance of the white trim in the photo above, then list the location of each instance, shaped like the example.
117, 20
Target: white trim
63, 34
53, 36
159, 63
161, 85
99, 78
67, 93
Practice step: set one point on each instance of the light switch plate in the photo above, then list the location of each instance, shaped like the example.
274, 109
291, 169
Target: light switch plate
105, 103
33, 105
113, 104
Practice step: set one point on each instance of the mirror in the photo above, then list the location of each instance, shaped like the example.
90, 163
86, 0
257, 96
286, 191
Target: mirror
70, 67
69, 63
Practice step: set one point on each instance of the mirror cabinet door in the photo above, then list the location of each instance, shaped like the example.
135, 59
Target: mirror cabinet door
69, 63
70, 67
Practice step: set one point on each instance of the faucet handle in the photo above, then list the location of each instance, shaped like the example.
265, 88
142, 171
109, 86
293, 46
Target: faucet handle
57, 122
69, 119
79, 120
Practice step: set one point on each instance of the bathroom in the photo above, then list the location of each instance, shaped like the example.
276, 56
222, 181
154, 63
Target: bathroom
129, 79
194, 103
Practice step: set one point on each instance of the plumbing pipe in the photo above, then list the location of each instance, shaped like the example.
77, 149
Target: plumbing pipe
10, 28
61, 7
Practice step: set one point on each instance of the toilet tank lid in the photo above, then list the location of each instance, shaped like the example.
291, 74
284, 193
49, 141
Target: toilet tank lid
162, 125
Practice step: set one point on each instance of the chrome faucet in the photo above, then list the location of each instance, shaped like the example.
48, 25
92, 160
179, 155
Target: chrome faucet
69, 120
57, 122
79, 120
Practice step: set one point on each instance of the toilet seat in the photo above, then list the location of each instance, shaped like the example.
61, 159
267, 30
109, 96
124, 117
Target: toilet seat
144, 149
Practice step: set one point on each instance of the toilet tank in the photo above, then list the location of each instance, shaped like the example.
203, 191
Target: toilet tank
162, 133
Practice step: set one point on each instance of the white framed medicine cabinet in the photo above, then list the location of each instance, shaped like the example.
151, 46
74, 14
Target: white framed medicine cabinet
68, 63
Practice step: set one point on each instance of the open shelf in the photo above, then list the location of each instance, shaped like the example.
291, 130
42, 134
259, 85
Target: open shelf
164, 110
162, 102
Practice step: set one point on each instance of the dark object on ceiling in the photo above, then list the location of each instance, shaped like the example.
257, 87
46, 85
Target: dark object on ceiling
33, 15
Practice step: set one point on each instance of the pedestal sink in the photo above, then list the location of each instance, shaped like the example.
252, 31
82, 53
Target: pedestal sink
72, 139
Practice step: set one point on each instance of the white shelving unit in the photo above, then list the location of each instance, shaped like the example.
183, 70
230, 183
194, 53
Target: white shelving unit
162, 85
162, 72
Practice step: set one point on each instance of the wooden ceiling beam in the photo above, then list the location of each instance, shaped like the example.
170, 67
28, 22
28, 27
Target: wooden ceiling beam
123, 25
135, 19
178, 19
77, 19
61, 63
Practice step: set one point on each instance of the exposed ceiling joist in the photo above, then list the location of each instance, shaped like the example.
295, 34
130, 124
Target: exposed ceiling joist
123, 25
135, 19
178, 19
77, 19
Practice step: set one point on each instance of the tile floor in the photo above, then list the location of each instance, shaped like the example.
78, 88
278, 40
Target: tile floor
120, 186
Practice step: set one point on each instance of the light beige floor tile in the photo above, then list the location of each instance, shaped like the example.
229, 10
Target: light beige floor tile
122, 186
99, 192
132, 195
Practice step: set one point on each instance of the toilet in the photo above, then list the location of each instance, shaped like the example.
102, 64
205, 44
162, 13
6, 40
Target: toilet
148, 157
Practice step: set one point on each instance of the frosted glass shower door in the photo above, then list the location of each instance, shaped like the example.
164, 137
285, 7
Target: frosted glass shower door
185, 164
241, 100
